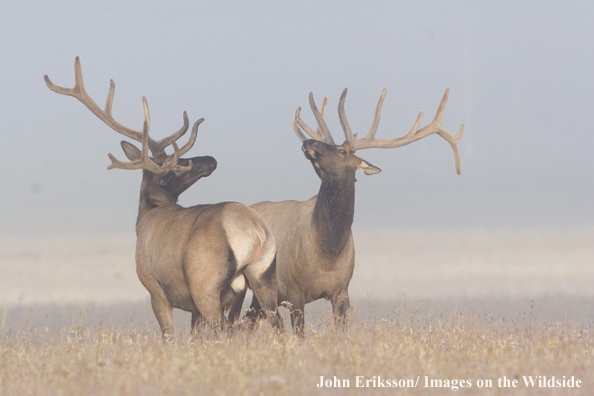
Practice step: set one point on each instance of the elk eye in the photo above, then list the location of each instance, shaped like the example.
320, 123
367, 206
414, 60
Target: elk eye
341, 151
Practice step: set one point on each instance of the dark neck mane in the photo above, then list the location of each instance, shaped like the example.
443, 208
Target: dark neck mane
333, 214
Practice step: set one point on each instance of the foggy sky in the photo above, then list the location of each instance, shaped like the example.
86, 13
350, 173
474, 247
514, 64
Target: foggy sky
520, 75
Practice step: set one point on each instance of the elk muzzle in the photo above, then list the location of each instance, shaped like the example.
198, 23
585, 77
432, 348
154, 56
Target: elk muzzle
310, 150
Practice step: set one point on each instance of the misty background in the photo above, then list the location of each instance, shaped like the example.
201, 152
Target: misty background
520, 75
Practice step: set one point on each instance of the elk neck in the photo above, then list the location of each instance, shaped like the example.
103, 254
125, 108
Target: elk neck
333, 214
152, 196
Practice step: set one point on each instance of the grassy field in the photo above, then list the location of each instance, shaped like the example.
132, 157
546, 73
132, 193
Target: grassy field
455, 314
408, 345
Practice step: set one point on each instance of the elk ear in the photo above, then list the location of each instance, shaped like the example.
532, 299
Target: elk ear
131, 151
367, 168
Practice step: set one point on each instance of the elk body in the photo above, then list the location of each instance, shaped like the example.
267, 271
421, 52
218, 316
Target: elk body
198, 258
315, 249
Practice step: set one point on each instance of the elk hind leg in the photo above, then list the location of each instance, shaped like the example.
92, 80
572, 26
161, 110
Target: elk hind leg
264, 303
197, 322
340, 306
235, 310
207, 299
297, 315
163, 312
253, 312
205, 289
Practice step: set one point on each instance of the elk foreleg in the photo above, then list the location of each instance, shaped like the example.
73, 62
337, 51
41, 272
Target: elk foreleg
340, 306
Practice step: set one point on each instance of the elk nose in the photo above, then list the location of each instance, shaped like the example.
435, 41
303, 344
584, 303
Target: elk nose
308, 143
213, 162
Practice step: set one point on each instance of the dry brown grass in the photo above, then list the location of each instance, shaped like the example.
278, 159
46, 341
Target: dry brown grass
402, 344
75, 320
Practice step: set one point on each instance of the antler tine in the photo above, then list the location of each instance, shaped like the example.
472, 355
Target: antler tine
348, 133
78, 82
415, 134
323, 112
297, 122
376, 118
320, 119
145, 162
175, 136
170, 164
117, 164
79, 92
441, 108
323, 108
192, 140
109, 101
147, 119
296, 128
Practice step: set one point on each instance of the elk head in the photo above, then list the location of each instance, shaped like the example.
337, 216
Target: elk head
165, 174
169, 173
339, 161
334, 162
172, 181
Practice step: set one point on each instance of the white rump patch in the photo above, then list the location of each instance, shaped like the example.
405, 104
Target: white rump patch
251, 242
238, 283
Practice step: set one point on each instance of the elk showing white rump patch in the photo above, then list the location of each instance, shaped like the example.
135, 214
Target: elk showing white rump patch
196, 258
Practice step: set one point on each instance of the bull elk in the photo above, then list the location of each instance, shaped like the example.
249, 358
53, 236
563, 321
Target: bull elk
315, 250
194, 258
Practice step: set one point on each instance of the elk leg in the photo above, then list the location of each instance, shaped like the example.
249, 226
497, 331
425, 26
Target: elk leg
205, 289
162, 310
340, 305
235, 310
253, 312
208, 302
197, 322
298, 316
205, 276
264, 301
